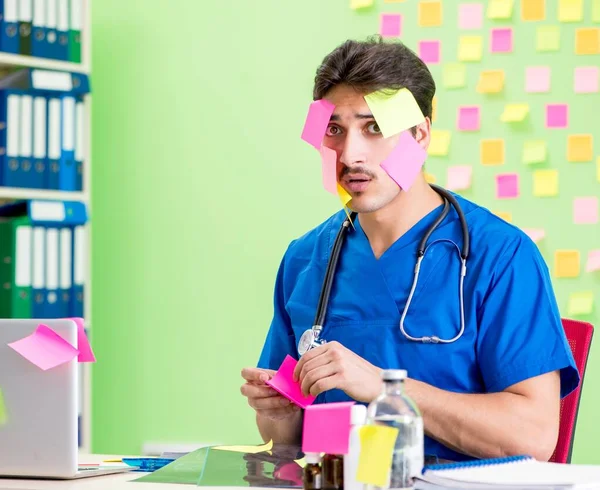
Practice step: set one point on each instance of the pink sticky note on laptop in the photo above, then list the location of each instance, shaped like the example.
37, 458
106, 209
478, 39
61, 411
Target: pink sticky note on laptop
283, 382
45, 348
404, 163
316, 122
327, 428
83, 344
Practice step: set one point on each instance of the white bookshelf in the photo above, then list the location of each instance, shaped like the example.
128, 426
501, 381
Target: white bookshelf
10, 61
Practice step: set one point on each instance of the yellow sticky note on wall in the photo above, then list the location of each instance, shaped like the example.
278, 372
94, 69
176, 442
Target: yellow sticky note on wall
547, 38
505, 215
545, 183
490, 82
595, 10
598, 169
454, 75
534, 151
570, 10
394, 112
580, 148
2, 409
499, 9
430, 13
434, 108
533, 10
587, 40
514, 112
470, 48
376, 450
580, 303
492, 151
566, 263
360, 4
440, 142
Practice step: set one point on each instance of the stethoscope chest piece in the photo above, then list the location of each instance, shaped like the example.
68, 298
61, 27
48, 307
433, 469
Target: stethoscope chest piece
309, 340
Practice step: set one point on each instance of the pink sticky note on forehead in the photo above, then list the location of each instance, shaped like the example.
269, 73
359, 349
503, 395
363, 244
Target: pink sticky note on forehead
507, 186
390, 25
45, 348
593, 261
586, 80
83, 345
328, 168
470, 15
319, 114
429, 51
502, 40
557, 115
404, 163
327, 428
283, 382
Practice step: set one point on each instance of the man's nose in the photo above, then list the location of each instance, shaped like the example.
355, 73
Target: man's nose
354, 151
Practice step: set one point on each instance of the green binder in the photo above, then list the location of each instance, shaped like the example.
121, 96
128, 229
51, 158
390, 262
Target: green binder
76, 14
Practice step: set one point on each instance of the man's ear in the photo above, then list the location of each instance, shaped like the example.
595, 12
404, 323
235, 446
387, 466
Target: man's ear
423, 133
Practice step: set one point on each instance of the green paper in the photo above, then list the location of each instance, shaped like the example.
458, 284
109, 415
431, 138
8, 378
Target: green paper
226, 468
547, 38
394, 112
186, 469
534, 151
581, 303
2, 409
454, 75
595, 10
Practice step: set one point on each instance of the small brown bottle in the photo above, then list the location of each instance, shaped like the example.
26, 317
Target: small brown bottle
312, 477
333, 472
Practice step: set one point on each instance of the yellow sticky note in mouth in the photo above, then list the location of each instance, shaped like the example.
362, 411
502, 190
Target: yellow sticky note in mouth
246, 449
376, 451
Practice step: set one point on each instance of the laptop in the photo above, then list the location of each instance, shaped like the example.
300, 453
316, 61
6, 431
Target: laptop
38, 434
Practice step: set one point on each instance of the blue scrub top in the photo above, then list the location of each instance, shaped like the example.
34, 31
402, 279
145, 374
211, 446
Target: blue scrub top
513, 328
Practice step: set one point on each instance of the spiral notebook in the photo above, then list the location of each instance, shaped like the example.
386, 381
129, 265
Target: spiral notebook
515, 472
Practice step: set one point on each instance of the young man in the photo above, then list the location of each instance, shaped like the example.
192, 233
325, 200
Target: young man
494, 391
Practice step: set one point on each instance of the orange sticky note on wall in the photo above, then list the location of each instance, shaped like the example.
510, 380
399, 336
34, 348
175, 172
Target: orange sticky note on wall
430, 13
587, 40
490, 82
492, 151
566, 263
532, 10
580, 148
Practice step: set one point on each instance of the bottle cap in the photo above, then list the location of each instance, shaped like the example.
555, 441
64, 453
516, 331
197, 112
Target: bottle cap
358, 415
312, 458
394, 374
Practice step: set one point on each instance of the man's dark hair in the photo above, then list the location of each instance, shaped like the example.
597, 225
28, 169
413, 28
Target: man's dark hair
373, 65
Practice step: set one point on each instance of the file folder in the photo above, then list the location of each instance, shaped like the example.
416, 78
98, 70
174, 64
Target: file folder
54, 134
9, 39
62, 30
10, 124
75, 31
40, 116
58, 82
38, 275
79, 238
79, 142
15, 267
66, 271
51, 300
24, 175
39, 44
51, 29
68, 173
25, 15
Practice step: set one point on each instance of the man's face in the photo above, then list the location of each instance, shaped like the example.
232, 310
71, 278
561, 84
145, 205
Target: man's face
361, 148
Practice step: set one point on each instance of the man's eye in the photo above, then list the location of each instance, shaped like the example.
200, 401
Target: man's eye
333, 131
374, 128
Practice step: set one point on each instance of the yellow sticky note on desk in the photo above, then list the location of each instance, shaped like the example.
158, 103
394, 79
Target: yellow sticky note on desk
492, 151
566, 263
2, 409
376, 450
439, 143
246, 449
360, 4
587, 40
514, 112
570, 10
394, 112
470, 48
580, 148
534, 151
430, 13
545, 183
490, 81
580, 303
500, 9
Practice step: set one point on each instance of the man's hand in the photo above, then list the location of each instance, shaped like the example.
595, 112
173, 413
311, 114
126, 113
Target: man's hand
332, 366
265, 400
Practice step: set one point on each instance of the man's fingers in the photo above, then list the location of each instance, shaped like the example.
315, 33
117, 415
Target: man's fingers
308, 357
255, 375
269, 403
312, 376
257, 391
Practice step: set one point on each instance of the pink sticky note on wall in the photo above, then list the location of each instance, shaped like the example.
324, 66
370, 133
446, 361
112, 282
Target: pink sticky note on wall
557, 115
470, 15
390, 25
507, 186
83, 344
429, 51
537, 79
586, 79
327, 428
283, 382
459, 177
501, 40
585, 210
317, 119
404, 163
536, 234
593, 261
468, 118
45, 348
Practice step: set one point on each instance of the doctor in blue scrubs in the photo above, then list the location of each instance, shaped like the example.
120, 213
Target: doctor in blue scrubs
493, 391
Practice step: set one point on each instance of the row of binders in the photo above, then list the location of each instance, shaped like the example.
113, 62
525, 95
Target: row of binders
42, 129
42, 28
42, 259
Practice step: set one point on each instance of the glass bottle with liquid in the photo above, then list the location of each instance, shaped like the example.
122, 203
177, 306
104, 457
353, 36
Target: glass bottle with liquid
312, 474
333, 472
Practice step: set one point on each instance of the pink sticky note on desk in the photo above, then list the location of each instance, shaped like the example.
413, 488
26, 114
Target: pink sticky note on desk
586, 79
404, 163
537, 79
327, 428
593, 261
390, 25
429, 51
501, 40
328, 168
507, 186
468, 118
470, 15
557, 115
45, 348
83, 344
585, 210
283, 382
317, 119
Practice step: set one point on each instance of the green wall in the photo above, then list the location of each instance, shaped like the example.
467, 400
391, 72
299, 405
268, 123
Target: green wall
200, 180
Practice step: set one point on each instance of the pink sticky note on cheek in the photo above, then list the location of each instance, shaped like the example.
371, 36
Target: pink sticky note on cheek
404, 163
328, 167
319, 114
327, 428
83, 345
283, 382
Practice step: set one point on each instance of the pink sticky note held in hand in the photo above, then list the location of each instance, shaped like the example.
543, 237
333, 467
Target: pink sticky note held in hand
404, 163
328, 166
45, 348
557, 115
83, 345
319, 114
283, 382
327, 428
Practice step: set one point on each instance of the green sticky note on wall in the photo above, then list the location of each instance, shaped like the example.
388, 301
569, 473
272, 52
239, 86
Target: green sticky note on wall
547, 38
2, 409
454, 75
534, 151
581, 303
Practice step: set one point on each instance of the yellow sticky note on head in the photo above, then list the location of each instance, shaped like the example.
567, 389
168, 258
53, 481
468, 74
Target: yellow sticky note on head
581, 303
490, 82
492, 151
376, 450
2, 409
394, 112
439, 143
547, 38
587, 40
580, 148
470, 48
246, 449
545, 183
534, 151
360, 4
499, 9
430, 13
533, 10
566, 263
570, 10
514, 112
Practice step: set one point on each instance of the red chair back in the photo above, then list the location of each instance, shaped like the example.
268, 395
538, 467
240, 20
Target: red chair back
579, 335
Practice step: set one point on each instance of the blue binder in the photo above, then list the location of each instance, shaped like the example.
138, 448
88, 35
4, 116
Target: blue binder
9, 37
78, 295
10, 114
40, 136
51, 29
79, 142
54, 144
24, 176
25, 14
38, 272
67, 175
62, 31
47, 81
66, 271
39, 42
52, 304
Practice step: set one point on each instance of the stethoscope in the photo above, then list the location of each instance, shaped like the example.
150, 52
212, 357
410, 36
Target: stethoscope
313, 337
